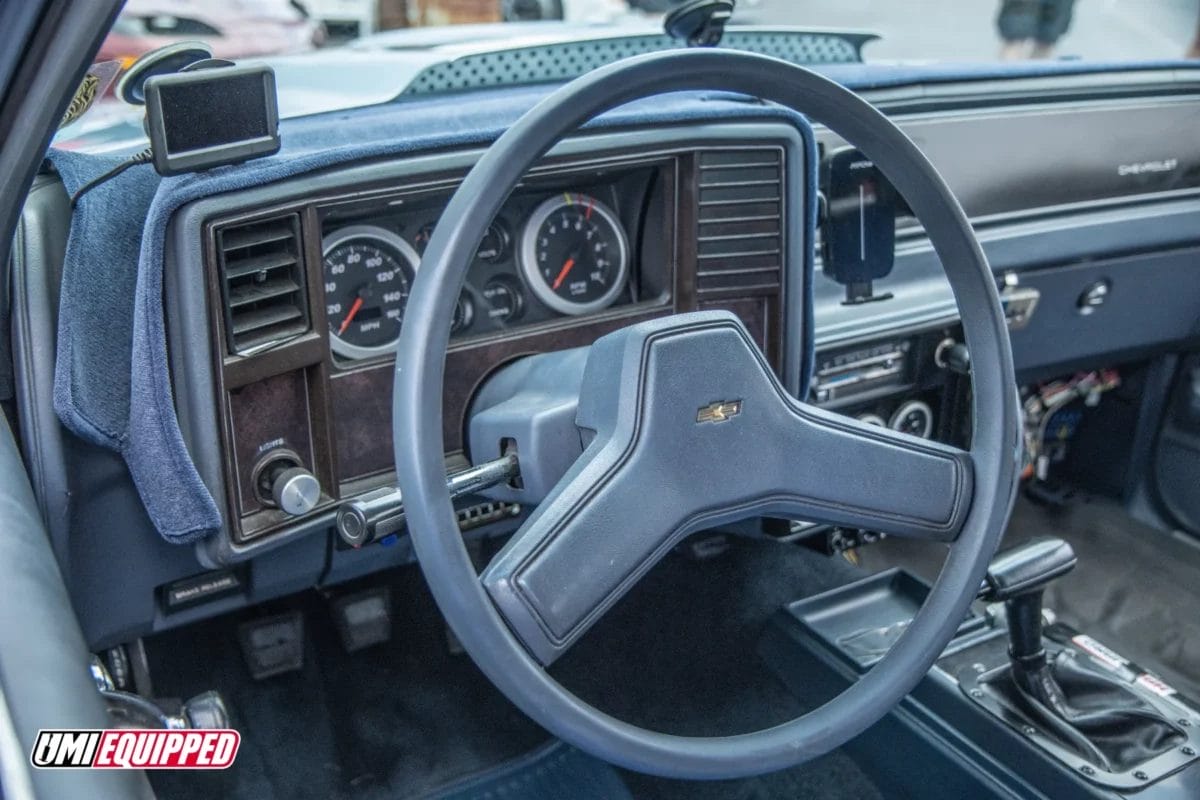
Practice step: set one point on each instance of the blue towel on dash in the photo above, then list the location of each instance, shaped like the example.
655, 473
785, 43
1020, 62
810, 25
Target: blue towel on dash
112, 379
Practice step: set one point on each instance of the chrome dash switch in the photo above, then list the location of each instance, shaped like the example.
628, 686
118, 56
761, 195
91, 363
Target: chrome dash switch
1019, 302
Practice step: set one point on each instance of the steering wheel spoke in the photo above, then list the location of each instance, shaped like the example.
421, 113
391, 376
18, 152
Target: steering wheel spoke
679, 445
857, 475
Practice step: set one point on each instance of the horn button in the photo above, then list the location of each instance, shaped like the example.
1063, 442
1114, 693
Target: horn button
687, 428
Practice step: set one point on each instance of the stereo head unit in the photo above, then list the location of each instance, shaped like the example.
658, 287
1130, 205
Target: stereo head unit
852, 373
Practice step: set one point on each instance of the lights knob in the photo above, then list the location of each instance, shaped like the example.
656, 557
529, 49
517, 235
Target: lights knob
295, 490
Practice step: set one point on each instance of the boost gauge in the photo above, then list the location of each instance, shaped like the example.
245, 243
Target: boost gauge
574, 254
368, 271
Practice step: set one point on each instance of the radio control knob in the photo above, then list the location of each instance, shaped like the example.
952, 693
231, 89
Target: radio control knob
953, 356
295, 490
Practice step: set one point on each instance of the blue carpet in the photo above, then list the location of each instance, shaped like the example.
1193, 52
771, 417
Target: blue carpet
551, 772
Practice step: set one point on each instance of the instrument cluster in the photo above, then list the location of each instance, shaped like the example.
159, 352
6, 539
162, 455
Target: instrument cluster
551, 253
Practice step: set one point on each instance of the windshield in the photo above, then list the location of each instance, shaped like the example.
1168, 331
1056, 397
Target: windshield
989, 30
333, 54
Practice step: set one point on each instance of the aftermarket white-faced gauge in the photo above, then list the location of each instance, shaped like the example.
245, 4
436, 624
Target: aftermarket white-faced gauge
367, 273
574, 255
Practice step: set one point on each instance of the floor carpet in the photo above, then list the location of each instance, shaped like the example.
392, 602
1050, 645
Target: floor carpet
401, 719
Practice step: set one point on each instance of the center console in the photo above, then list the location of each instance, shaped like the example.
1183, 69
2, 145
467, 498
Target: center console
1012, 708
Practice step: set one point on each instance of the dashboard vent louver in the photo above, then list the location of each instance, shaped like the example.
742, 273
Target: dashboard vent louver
262, 283
739, 247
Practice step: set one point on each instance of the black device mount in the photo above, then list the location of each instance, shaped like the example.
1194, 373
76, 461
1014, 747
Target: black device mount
858, 224
701, 23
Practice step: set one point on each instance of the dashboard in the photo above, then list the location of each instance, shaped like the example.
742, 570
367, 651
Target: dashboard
283, 303
308, 298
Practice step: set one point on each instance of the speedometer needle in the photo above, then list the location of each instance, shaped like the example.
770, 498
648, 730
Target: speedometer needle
563, 273
354, 309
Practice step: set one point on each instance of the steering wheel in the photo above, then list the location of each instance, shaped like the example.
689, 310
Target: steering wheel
645, 392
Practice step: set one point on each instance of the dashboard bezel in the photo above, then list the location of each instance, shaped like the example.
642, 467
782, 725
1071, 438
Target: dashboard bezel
190, 287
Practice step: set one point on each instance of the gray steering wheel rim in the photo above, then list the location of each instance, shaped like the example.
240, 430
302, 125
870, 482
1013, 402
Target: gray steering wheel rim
417, 417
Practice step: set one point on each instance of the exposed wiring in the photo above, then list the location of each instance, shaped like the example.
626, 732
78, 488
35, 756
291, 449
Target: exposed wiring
143, 157
1043, 403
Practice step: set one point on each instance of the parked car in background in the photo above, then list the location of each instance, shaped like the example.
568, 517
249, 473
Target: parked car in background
590, 10
343, 19
233, 28
569, 10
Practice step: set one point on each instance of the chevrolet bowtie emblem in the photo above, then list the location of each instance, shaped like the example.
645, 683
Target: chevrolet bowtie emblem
720, 411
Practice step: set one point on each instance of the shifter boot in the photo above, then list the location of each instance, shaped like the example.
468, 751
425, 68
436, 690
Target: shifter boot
1089, 712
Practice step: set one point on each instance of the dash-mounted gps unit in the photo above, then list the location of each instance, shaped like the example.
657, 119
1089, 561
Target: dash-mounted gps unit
210, 117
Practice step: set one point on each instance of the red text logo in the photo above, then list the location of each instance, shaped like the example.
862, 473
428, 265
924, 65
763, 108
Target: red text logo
136, 749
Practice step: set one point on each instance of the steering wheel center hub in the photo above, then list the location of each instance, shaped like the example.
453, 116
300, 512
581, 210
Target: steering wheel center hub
689, 429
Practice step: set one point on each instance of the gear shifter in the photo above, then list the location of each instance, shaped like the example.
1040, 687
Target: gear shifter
1094, 714
1018, 578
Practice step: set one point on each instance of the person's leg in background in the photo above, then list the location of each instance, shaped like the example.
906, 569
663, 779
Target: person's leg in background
1017, 23
1194, 50
1053, 21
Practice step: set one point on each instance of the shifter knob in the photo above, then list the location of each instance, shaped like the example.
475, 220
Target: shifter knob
1026, 568
1019, 577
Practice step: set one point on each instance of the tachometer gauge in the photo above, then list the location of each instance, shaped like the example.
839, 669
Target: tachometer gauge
368, 271
574, 254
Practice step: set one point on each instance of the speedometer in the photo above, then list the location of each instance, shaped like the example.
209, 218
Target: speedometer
368, 271
574, 254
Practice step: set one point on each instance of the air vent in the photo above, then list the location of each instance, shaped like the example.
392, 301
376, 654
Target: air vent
262, 283
740, 243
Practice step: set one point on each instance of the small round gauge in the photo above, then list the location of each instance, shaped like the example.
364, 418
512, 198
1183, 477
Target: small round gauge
872, 419
504, 300
464, 314
368, 271
913, 417
574, 254
494, 245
